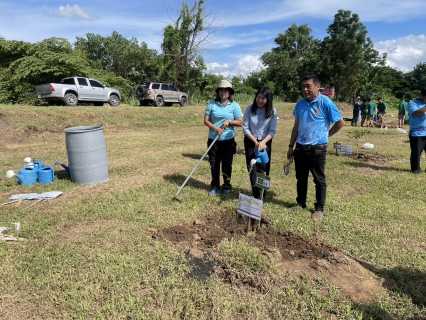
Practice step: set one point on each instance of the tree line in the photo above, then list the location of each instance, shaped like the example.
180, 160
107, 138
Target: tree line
345, 59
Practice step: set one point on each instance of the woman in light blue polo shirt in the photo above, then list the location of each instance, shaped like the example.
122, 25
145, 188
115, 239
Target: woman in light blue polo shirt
259, 127
221, 116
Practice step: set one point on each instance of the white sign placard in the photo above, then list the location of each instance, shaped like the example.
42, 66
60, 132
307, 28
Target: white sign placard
346, 149
250, 206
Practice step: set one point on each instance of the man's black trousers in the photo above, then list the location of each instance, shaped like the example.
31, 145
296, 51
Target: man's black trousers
310, 159
417, 145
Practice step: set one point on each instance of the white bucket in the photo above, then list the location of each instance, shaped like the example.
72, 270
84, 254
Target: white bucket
368, 146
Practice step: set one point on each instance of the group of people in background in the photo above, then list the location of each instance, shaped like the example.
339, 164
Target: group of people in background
370, 112
314, 114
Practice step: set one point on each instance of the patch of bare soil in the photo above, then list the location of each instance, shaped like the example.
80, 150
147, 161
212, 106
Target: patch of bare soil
6, 128
390, 123
305, 258
10, 134
370, 158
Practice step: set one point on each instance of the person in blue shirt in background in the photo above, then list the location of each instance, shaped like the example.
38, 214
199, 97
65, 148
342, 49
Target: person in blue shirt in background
417, 134
259, 127
221, 116
313, 116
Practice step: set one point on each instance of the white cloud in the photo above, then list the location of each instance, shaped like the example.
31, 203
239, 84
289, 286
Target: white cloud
245, 65
217, 69
405, 52
75, 11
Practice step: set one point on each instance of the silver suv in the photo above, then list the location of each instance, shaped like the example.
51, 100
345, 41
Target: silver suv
160, 93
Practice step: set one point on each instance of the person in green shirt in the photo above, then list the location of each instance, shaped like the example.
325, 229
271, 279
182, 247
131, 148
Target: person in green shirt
371, 111
402, 111
381, 110
363, 109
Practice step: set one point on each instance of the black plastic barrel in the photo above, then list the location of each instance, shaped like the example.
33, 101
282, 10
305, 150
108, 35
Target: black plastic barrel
87, 156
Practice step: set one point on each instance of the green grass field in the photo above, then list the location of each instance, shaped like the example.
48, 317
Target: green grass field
91, 254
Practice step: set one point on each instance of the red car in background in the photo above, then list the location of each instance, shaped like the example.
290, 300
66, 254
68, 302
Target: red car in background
329, 92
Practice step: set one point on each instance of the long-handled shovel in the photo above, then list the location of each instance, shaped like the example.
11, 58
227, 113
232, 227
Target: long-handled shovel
193, 170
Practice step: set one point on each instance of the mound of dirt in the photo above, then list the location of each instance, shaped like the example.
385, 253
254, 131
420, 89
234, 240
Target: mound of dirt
370, 157
305, 258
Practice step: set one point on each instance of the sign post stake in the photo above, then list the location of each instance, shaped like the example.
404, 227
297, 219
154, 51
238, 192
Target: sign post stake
249, 220
248, 224
337, 146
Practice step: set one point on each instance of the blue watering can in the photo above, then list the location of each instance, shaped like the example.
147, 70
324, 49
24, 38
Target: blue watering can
45, 173
262, 157
32, 172
27, 175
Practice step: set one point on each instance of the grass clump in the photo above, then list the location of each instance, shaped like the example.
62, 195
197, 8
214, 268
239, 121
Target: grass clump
242, 256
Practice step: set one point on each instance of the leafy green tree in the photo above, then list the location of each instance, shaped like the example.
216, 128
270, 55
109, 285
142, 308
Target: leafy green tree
124, 57
390, 79
12, 90
12, 50
256, 79
110, 79
417, 77
296, 53
183, 42
347, 53
205, 89
47, 61
240, 87
94, 50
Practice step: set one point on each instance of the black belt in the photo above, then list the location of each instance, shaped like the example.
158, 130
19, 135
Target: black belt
310, 147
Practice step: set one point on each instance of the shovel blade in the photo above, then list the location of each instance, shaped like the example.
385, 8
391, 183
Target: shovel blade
286, 171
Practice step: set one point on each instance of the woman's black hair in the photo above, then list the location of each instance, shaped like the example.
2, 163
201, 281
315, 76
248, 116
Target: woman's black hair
267, 93
231, 97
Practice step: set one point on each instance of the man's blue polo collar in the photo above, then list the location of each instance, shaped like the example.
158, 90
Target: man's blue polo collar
316, 99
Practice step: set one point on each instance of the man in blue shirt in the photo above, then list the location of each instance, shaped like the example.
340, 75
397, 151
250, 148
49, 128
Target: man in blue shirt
313, 116
417, 134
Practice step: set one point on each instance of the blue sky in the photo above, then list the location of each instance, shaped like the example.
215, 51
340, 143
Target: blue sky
247, 28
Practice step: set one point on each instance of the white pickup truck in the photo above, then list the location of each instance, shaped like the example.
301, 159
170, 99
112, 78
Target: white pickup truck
78, 89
